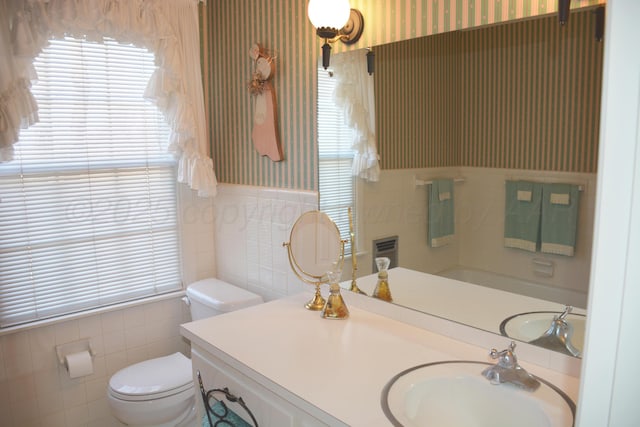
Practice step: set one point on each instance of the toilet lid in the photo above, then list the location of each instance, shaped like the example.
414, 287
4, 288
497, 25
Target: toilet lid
222, 296
152, 379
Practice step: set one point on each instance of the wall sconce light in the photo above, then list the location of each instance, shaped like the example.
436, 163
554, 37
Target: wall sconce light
335, 20
370, 61
599, 30
563, 11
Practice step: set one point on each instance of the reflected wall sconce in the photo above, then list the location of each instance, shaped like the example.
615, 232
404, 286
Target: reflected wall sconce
370, 61
563, 11
599, 26
335, 20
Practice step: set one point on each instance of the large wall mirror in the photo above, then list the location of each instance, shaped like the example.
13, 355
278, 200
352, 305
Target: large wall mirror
517, 101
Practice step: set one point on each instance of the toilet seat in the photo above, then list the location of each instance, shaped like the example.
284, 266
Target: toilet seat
153, 379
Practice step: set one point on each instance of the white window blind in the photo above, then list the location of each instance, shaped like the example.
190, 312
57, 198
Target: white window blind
335, 157
88, 206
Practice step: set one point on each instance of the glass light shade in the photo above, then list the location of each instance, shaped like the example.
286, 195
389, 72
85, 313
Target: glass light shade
329, 13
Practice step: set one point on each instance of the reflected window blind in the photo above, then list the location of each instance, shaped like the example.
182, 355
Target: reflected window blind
335, 156
88, 205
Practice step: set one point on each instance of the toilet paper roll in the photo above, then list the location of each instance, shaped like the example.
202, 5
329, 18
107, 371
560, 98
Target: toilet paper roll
79, 364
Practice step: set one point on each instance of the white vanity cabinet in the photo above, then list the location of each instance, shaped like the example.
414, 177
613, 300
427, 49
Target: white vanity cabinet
269, 408
293, 368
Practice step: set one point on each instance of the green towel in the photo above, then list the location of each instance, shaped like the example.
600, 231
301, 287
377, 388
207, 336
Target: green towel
559, 218
441, 219
522, 215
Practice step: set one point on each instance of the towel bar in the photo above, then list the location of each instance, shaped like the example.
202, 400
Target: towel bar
580, 186
420, 182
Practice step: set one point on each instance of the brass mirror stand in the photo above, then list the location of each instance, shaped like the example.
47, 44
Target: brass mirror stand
314, 247
317, 302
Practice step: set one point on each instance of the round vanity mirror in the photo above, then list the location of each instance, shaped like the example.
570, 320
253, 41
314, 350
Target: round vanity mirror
314, 248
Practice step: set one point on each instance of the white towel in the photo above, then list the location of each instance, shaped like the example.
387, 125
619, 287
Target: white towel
524, 196
559, 199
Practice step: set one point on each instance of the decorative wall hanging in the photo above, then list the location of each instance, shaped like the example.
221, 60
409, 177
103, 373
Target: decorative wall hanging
266, 138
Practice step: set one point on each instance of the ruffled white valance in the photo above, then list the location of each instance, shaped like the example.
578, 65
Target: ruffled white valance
354, 94
168, 28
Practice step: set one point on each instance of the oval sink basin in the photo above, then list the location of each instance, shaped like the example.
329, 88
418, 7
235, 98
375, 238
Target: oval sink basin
529, 326
455, 394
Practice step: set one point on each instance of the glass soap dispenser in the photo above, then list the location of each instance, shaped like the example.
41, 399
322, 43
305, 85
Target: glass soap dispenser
335, 307
382, 290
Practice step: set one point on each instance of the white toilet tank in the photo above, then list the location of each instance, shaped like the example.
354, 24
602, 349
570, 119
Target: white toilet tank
211, 297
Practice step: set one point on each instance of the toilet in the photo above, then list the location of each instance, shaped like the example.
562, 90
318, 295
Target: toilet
160, 392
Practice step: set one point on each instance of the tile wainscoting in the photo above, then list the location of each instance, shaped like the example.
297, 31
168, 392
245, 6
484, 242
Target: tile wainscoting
36, 391
251, 225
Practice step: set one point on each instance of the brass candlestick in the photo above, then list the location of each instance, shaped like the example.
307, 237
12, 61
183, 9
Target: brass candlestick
354, 261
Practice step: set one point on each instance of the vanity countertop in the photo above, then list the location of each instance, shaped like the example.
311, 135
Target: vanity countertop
433, 294
337, 366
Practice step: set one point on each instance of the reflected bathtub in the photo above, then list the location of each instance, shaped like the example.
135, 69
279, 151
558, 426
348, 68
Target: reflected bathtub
517, 285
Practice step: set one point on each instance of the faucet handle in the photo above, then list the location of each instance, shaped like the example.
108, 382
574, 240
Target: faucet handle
506, 358
507, 370
567, 310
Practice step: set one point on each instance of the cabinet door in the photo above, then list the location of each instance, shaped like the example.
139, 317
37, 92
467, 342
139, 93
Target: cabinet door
269, 409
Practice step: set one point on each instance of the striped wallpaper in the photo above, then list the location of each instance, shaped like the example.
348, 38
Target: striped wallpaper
228, 30
529, 104
524, 95
416, 96
388, 21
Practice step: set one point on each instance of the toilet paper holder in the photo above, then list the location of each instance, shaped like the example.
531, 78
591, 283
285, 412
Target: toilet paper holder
63, 350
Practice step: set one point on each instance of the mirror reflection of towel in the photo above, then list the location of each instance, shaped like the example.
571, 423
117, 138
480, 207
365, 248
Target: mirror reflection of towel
522, 214
441, 219
559, 218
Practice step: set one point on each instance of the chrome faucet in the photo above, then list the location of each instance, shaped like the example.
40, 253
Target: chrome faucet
558, 335
507, 370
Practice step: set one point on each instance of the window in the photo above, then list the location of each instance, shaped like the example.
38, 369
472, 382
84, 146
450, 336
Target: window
335, 156
88, 210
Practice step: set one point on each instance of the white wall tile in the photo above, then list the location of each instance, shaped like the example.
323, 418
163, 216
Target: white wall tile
112, 321
56, 419
21, 404
48, 382
17, 355
44, 358
74, 395
5, 404
68, 331
99, 368
77, 416
137, 354
395, 206
135, 336
279, 282
49, 403
483, 231
21, 388
24, 415
113, 342
89, 327
115, 361
98, 410
251, 225
133, 317
3, 371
